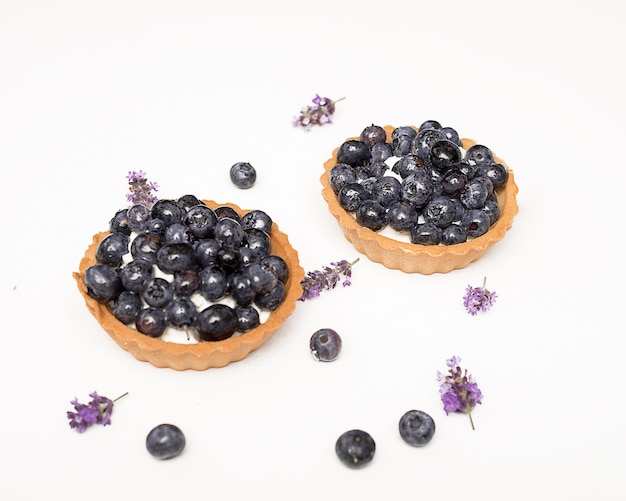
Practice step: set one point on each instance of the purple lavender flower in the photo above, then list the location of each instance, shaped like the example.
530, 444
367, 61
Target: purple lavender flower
458, 389
319, 114
98, 411
141, 189
316, 281
478, 299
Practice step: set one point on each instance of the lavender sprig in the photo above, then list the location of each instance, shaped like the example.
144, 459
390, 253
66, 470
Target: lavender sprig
319, 280
319, 114
141, 189
458, 389
98, 411
478, 299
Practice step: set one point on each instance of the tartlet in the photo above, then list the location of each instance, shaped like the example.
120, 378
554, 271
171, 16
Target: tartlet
413, 258
205, 354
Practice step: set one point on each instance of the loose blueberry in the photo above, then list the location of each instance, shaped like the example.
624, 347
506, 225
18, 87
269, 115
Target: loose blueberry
355, 448
416, 428
325, 345
243, 175
165, 441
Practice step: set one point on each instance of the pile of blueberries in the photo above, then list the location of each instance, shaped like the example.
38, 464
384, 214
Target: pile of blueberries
421, 182
201, 252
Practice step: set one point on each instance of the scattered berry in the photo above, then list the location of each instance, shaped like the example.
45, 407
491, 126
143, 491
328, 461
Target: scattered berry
416, 428
243, 175
325, 345
355, 448
165, 441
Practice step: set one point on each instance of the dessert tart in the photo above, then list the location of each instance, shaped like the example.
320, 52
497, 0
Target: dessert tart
397, 251
196, 354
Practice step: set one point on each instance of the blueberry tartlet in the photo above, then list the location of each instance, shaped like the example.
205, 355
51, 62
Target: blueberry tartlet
419, 199
190, 284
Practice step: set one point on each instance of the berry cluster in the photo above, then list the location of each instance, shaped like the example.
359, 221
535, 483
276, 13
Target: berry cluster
181, 264
421, 183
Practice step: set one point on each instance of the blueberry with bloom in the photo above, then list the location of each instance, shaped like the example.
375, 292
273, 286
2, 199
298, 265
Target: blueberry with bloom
319, 114
319, 280
141, 189
98, 411
478, 299
458, 389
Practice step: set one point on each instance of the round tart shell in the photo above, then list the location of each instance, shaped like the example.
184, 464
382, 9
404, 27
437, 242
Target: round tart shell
205, 354
424, 259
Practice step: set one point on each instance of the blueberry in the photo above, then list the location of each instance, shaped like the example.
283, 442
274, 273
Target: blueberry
200, 220
478, 154
119, 222
206, 251
240, 287
158, 292
112, 248
453, 182
156, 226
340, 175
177, 233
445, 155
127, 307
168, 211
181, 312
165, 441
271, 299
373, 134
229, 232
474, 194
402, 216
139, 217
186, 202
372, 215
216, 322
424, 140
492, 209
355, 448
452, 135
408, 164
325, 345
430, 124
226, 211
103, 282
387, 190
229, 258
257, 219
258, 241
186, 282
353, 152
278, 265
151, 322
145, 246
426, 234
439, 211
136, 274
476, 222
416, 428
495, 172
351, 196
418, 189
377, 168
247, 318
243, 175
214, 282
453, 234
401, 145
172, 258
380, 152
262, 277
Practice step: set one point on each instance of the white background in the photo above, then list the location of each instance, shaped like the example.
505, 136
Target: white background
184, 89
